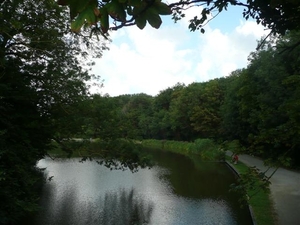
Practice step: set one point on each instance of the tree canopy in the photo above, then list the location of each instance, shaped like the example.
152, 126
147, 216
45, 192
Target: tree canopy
279, 16
40, 78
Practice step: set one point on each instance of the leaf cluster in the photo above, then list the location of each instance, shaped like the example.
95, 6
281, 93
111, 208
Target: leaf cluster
280, 16
99, 14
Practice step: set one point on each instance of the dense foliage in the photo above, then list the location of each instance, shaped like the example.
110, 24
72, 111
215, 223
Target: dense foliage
206, 149
40, 78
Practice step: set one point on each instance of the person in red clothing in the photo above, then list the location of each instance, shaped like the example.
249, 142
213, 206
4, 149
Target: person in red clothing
235, 158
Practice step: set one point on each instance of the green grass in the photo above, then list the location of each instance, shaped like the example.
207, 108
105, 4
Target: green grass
207, 149
261, 203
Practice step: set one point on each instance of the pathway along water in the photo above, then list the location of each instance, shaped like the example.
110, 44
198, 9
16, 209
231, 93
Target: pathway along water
176, 191
285, 190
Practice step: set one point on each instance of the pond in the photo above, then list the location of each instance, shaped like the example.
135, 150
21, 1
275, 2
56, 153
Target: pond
175, 191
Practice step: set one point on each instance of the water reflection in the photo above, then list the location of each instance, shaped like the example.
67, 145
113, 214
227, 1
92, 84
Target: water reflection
119, 208
176, 192
125, 208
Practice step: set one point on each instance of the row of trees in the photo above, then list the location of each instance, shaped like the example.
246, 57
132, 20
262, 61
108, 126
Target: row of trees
257, 106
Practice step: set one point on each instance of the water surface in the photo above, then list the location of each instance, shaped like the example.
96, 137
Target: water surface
176, 191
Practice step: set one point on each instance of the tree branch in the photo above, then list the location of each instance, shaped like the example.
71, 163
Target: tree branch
207, 2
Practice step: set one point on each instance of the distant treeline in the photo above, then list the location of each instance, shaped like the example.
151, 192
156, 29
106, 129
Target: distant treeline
257, 107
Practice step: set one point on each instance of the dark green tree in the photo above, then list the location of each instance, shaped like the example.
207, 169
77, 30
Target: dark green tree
101, 117
40, 79
161, 123
261, 104
205, 115
136, 113
234, 126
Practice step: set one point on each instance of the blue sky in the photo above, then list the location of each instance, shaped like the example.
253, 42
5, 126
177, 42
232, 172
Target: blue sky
151, 60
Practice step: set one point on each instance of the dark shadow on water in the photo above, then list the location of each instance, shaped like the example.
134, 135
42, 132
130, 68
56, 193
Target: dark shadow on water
115, 208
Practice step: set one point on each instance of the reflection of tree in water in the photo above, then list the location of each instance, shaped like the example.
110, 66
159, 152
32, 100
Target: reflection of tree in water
57, 211
117, 208
125, 208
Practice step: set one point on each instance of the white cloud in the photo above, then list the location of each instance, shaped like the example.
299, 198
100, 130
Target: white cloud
152, 60
223, 53
248, 28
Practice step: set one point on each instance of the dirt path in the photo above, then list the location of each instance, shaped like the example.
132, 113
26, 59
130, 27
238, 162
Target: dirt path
285, 191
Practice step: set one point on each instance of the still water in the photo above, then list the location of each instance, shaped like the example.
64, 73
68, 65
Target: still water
176, 191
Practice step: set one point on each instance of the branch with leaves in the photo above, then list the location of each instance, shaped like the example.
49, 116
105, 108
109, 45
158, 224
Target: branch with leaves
279, 16
100, 14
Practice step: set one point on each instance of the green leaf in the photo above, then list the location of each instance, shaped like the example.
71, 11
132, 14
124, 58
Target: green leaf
139, 8
141, 21
135, 2
87, 15
76, 7
116, 10
153, 17
162, 8
90, 14
104, 20
77, 23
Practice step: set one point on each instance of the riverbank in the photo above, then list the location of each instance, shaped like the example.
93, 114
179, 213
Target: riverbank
260, 204
206, 149
285, 192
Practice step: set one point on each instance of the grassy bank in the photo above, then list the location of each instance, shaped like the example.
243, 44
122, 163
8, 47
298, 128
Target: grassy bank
207, 149
260, 201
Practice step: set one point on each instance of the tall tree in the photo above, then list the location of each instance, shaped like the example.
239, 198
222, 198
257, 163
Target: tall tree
261, 106
161, 123
40, 77
232, 124
102, 118
137, 112
205, 114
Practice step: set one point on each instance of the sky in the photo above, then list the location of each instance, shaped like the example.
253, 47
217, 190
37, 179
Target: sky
151, 60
